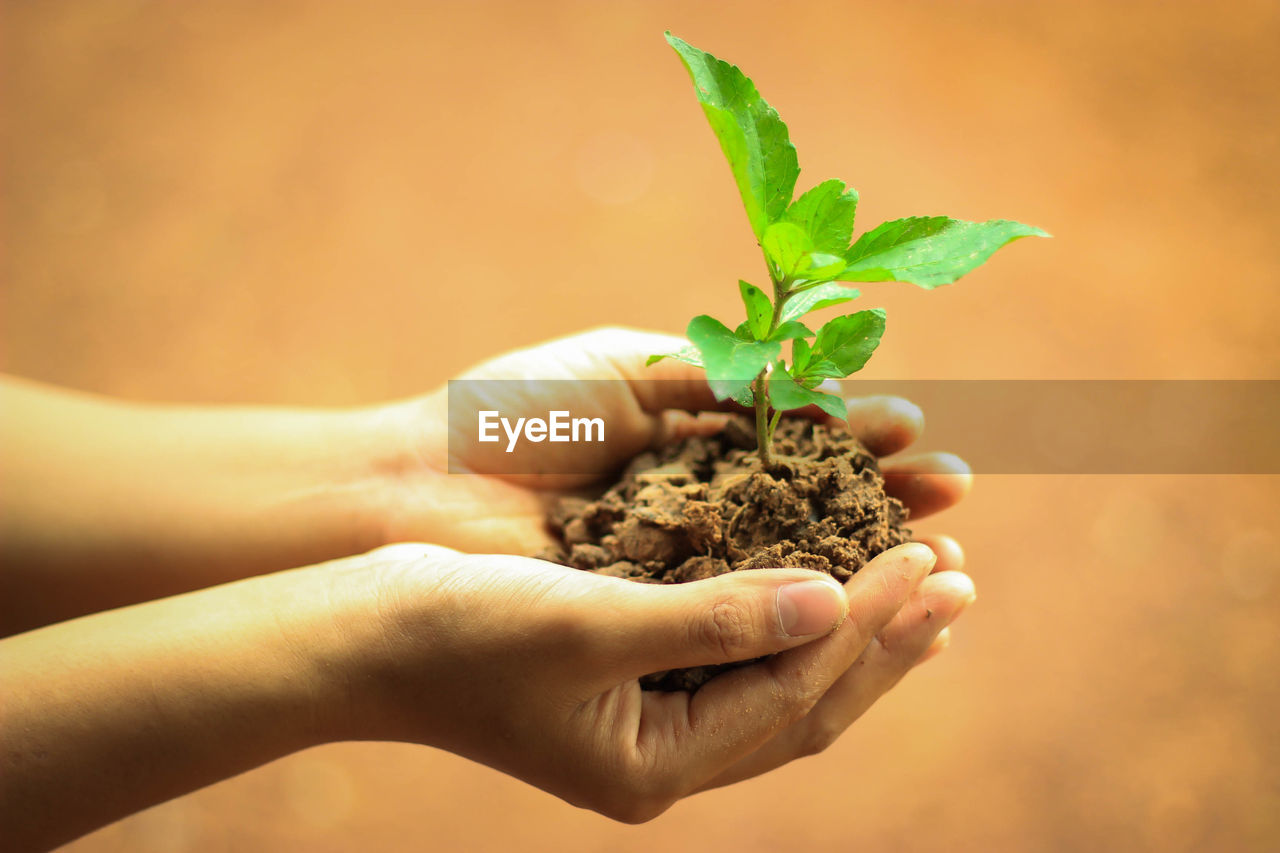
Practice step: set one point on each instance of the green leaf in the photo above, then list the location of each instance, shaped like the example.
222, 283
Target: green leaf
791, 330
815, 298
818, 266
689, 355
847, 342
732, 363
785, 246
800, 352
744, 395
826, 214
785, 393
752, 136
929, 250
759, 310
821, 368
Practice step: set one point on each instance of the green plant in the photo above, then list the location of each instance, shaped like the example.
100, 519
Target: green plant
808, 251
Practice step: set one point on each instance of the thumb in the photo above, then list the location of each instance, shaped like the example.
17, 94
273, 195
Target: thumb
733, 617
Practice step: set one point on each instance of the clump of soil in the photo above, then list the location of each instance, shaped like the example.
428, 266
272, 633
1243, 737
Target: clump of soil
705, 506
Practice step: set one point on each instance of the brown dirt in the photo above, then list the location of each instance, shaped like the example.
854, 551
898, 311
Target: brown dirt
704, 506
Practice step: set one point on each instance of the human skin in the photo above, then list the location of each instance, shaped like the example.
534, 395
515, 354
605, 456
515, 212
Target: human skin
107, 504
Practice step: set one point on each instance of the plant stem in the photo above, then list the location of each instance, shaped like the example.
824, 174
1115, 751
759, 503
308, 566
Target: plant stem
764, 424
764, 435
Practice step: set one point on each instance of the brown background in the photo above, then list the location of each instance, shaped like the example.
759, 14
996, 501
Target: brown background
336, 203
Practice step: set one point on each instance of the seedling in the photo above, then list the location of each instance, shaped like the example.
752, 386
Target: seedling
809, 254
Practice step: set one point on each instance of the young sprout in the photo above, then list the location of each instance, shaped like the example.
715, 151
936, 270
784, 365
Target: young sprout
809, 252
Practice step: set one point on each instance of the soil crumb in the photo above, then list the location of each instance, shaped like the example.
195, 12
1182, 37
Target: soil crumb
704, 506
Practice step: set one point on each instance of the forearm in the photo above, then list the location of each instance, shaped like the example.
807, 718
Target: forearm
108, 714
107, 503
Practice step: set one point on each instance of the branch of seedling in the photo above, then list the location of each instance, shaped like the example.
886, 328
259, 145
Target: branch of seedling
767, 424
760, 391
811, 256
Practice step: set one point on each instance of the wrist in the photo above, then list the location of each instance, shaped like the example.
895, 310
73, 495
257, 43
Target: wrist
334, 641
405, 486
349, 476
329, 628
363, 648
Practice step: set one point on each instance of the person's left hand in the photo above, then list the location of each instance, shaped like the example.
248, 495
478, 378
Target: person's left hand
500, 506
531, 667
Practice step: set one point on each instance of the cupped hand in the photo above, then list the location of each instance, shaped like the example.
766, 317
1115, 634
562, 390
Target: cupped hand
500, 505
532, 668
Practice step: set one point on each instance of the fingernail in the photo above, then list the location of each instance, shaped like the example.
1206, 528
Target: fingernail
918, 551
960, 587
811, 607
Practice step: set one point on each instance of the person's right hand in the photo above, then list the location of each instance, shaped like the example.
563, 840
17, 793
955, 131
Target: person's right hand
532, 668
501, 504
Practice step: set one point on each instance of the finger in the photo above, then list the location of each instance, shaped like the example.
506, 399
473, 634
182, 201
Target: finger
735, 713
937, 647
676, 424
675, 385
918, 630
948, 551
612, 353
733, 617
667, 384
928, 483
884, 424
939, 600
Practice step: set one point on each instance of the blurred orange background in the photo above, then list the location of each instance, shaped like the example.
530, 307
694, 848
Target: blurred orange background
340, 203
